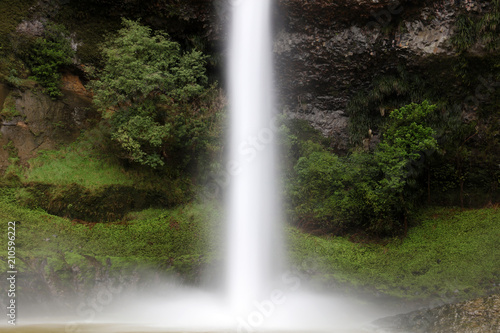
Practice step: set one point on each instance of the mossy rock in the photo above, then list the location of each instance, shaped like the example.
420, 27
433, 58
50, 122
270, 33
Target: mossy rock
8, 110
103, 204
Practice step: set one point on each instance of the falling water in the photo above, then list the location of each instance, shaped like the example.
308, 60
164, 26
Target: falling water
253, 204
253, 220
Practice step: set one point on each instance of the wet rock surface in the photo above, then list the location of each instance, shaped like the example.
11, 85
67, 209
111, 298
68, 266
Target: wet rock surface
475, 316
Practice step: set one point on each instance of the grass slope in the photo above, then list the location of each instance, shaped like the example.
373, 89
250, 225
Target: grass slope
452, 254
175, 240
81, 181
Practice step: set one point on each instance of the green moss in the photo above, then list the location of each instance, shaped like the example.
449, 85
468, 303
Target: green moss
8, 110
452, 254
102, 202
91, 163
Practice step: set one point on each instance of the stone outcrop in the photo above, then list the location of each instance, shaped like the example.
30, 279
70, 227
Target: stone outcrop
326, 51
476, 316
31, 121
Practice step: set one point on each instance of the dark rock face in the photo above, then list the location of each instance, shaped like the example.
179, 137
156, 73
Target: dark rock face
326, 51
475, 316
329, 50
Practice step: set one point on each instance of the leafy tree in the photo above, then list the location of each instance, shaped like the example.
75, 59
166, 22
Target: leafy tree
405, 141
153, 93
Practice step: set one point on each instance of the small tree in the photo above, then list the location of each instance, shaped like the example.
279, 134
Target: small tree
406, 141
146, 85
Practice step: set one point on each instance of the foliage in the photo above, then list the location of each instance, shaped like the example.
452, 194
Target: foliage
489, 26
90, 24
47, 55
13, 12
140, 135
450, 255
464, 172
465, 33
141, 66
367, 111
405, 140
155, 93
484, 28
372, 191
176, 240
327, 192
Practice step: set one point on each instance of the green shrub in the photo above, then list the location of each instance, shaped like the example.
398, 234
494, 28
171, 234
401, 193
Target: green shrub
372, 191
368, 110
47, 55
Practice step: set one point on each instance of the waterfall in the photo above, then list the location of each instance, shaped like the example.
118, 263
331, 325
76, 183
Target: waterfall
253, 204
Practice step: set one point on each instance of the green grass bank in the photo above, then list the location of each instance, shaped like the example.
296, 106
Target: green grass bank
452, 254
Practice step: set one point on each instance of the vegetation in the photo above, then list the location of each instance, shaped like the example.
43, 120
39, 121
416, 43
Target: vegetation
368, 110
69, 182
488, 26
482, 28
45, 56
451, 255
372, 191
466, 33
176, 241
150, 86
13, 12
123, 194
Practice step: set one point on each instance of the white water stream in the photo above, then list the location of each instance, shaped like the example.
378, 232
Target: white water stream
259, 294
253, 209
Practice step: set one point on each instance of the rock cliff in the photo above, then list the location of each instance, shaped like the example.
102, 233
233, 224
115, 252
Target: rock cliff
326, 51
